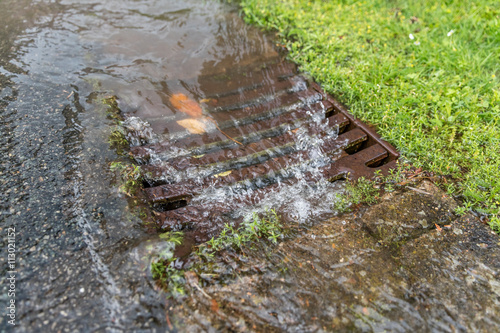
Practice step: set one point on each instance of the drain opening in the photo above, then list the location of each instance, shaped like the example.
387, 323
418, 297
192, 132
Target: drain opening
291, 131
170, 205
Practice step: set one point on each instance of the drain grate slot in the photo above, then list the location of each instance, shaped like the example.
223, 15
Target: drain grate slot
170, 205
265, 143
268, 128
288, 126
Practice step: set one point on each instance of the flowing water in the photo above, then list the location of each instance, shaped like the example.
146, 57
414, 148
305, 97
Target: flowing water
78, 248
82, 253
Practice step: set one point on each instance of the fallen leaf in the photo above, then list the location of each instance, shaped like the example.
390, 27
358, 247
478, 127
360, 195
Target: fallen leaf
193, 126
214, 306
184, 104
223, 174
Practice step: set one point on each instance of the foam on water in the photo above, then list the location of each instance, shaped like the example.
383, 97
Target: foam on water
299, 201
139, 131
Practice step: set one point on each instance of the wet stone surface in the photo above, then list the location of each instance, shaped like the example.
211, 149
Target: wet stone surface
423, 209
338, 276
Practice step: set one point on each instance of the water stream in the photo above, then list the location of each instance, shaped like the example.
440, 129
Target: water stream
79, 247
82, 251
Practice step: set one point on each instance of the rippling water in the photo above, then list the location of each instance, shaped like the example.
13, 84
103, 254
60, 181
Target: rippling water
77, 242
79, 248
82, 253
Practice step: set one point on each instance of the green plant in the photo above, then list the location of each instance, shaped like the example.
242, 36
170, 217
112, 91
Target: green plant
495, 223
130, 176
168, 277
342, 203
112, 109
117, 137
175, 237
118, 141
361, 191
268, 226
163, 271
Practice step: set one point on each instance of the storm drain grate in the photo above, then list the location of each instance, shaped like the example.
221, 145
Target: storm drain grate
265, 116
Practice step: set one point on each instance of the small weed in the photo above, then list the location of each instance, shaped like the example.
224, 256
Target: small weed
130, 176
361, 191
342, 203
172, 280
118, 141
117, 138
495, 223
168, 277
460, 210
175, 237
268, 227
112, 110
365, 191
163, 271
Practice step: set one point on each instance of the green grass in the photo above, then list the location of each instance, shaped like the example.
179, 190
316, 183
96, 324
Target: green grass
169, 278
118, 141
436, 97
175, 237
268, 226
113, 111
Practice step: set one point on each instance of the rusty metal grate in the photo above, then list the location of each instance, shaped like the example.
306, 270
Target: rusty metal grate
263, 111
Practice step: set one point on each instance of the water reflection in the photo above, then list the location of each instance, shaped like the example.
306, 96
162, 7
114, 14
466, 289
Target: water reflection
76, 240
80, 251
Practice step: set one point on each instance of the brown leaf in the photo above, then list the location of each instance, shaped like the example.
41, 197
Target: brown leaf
193, 126
184, 104
214, 306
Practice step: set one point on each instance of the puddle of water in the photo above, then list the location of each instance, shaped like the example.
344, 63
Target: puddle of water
76, 239
80, 250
